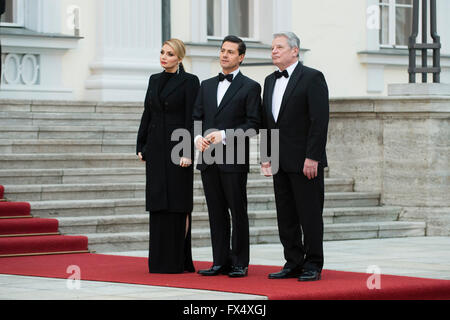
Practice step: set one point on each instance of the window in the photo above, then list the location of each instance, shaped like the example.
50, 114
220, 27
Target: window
236, 17
13, 15
396, 22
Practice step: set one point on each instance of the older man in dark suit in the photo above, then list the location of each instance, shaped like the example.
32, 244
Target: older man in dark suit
295, 102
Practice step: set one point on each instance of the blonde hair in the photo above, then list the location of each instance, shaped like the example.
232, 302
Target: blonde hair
177, 46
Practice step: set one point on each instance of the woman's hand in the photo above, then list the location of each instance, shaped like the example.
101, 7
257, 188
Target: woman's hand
185, 162
140, 156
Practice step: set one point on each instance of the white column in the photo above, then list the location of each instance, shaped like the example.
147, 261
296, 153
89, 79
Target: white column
198, 22
282, 11
128, 44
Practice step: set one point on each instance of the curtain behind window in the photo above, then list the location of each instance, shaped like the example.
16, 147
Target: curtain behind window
239, 18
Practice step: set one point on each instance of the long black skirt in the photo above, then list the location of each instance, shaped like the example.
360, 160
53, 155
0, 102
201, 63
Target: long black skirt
170, 245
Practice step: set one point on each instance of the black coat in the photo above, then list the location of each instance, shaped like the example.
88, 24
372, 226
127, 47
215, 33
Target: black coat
240, 108
169, 186
2, 7
302, 120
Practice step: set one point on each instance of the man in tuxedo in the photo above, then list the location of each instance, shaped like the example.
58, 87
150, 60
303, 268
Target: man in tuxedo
295, 102
227, 101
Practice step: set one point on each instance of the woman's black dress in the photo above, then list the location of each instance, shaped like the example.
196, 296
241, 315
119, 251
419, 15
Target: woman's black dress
169, 188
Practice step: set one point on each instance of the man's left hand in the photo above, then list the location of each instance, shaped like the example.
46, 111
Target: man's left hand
310, 168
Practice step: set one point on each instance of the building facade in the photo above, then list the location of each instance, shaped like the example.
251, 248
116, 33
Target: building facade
105, 50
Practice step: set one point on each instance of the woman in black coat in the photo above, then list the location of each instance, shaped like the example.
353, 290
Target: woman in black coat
169, 188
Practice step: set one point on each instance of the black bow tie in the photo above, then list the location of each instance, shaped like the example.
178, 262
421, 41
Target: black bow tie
279, 74
222, 77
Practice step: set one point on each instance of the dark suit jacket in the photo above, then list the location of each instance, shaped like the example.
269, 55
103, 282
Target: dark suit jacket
302, 120
2, 6
240, 108
169, 186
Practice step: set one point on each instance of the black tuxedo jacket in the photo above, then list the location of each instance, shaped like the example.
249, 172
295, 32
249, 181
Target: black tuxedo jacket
302, 120
240, 108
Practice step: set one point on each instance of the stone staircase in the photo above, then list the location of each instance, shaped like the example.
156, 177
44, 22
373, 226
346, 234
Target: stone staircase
75, 161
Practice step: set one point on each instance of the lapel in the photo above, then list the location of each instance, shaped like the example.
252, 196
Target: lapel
270, 87
172, 84
293, 80
213, 93
236, 84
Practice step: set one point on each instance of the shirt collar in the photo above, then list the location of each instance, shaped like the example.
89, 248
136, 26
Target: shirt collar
234, 73
291, 68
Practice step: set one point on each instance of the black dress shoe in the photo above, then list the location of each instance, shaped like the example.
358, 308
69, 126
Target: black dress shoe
238, 272
215, 270
310, 275
286, 273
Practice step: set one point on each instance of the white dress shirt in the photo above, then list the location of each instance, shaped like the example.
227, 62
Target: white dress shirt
279, 89
223, 87
221, 90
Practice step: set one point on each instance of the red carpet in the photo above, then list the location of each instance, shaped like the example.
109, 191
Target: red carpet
28, 226
14, 209
335, 285
33, 245
21, 234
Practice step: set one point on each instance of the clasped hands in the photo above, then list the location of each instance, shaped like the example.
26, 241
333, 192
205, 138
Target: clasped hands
202, 143
309, 168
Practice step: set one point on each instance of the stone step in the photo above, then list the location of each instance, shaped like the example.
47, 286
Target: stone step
68, 132
332, 200
53, 106
374, 230
255, 172
104, 224
67, 208
344, 231
9, 118
361, 214
76, 160
264, 185
128, 241
67, 146
83, 208
96, 175
134, 190
69, 160
75, 191
262, 218
93, 146
72, 176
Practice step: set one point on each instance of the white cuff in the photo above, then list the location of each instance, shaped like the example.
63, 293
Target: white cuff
224, 137
196, 138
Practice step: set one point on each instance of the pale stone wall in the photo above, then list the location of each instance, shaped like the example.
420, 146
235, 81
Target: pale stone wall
399, 147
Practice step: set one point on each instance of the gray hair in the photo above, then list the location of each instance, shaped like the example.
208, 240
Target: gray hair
292, 39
